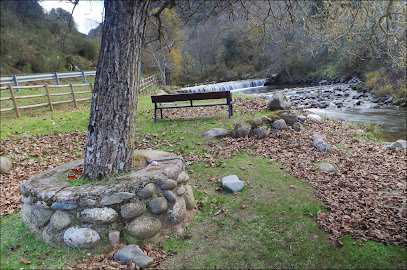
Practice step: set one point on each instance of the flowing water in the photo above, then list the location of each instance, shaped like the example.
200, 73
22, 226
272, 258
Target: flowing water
392, 119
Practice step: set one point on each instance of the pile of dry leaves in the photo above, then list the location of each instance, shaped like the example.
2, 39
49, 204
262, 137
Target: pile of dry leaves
33, 155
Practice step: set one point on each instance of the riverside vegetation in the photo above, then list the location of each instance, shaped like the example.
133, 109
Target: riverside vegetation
288, 214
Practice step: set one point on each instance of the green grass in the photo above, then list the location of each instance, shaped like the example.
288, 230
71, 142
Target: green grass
272, 230
18, 243
264, 226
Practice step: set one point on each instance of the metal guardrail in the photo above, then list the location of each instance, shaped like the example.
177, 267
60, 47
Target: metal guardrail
45, 76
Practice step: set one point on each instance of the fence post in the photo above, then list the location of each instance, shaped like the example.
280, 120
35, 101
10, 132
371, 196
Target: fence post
10, 87
84, 77
49, 98
56, 78
73, 95
16, 82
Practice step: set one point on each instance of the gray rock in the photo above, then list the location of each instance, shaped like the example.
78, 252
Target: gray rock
157, 205
216, 133
60, 220
76, 237
257, 121
34, 217
242, 129
27, 200
261, 132
183, 177
180, 190
144, 227
232, 183
88, 202
399, 144
5, 165
387, 144
326, 167
116, 198
135, 254
302, 118
63, 206
189, 198
114, 238
321, 145
290, 117
132, 210
178, 212
52, 236
147, 191
297, 127
169, 195
278, 102
315, 118
103, 215
169, 184
279, 124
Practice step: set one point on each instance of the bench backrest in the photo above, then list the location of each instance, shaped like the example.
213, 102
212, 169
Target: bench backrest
191, 96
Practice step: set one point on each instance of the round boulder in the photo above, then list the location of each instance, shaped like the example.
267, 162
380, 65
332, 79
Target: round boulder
60, 220
157, 205
52, 237
242, 129
99, 215
5, 165
216, 133
189, 198
132, 210
278, 102
290, 117
35, 217
279, 124
178, 212
261, 132
182, 177
81, 237
144, 227
147, 191
327, 167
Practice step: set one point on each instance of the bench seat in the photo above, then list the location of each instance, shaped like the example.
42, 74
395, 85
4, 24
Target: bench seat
167, 101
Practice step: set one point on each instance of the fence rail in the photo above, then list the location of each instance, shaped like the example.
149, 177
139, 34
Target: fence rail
144, 84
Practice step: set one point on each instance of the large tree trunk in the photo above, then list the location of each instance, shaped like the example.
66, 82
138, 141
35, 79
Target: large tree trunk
111, 128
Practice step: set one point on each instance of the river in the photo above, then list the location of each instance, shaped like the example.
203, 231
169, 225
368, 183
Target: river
392, 119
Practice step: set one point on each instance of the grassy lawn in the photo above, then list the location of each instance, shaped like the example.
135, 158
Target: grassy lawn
271, 223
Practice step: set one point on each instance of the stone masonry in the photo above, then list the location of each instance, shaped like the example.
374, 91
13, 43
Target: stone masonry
152, 201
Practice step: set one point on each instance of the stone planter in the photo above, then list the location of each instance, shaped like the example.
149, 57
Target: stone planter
153, 201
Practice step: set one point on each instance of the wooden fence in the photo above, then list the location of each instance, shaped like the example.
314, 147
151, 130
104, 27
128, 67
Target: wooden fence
143, 86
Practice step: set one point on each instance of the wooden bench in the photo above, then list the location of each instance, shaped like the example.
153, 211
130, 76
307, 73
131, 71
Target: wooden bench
162, 101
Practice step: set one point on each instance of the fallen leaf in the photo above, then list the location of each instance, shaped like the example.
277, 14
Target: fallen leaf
337, 243
25, 261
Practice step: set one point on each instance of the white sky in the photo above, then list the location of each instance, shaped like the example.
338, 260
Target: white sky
88, 14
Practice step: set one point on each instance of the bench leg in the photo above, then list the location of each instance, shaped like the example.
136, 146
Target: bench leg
161, 111
230, 109
155, 113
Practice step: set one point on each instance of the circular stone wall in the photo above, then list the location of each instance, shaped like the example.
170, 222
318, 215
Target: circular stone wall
145, 204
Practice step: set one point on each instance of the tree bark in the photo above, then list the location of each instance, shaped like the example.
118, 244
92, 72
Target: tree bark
111, 128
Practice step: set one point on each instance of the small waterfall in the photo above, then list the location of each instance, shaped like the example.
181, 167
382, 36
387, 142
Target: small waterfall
225, 86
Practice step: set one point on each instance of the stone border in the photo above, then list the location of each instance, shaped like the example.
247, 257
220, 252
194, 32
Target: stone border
152, 200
